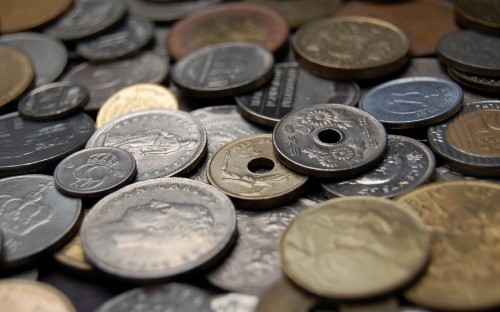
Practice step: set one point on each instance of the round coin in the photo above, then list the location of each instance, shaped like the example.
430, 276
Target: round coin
329, 141
487, 84
157, 229
224, 69
462, 218
16, 74
351, 48
481, 15
354, 247
167, 11
413, 102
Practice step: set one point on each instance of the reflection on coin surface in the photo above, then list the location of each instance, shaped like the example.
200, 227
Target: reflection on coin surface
234, 302
463, 220
157, 229
354, 247
16, 74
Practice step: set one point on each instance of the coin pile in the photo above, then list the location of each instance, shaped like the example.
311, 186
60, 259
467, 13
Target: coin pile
246, 156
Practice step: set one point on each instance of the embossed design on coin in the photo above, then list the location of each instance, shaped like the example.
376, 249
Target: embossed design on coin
476, 82
16, 74
234, 302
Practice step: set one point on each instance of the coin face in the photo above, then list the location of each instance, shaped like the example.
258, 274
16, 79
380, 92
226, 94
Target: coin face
462, 218
16, 73
233, 302
158, 229
354, 247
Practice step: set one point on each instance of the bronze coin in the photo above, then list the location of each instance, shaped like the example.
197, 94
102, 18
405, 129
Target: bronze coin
480, 15
424, 21
230, 22
16, 74
284, 295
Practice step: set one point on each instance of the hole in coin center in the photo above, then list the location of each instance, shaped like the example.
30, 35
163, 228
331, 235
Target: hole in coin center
261, 165
330, 136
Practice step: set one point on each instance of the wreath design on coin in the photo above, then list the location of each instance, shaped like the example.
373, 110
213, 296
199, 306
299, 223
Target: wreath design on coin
351, 151
311, 119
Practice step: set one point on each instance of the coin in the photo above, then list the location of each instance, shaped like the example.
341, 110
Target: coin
135, 98
390, 304
233, 302
167, 11
462, 218
53, 101
354, 247
24, 296
351, 48
163, 142
444, 173
468, 142
487, 84
407, 164
223, 69
49, 56
283, 295
413, 102
292, 88
329, 141
228, 22
482, 15
155, 230
34, 217
16, 74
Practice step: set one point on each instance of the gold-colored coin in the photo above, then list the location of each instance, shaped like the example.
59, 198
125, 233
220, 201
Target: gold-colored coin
283, 295
463, 218
351, 48
354, 247
27, 296
135, 98
16, 74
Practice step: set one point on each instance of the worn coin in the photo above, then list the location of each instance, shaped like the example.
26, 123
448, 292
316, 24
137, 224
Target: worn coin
34, 217
487, 84
354, 247
413, 102
53, 101
25, 296
469, 141
224, 69
351, 48
407, 164
329, 141
253, 264
167, 11
16, 74
233, 302
157, 229
481, 15
291, 89
462, 218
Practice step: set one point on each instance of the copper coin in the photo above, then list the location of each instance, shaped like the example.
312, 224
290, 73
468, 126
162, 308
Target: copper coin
480, 15
16, 74
284, 295
231, 22
424, 21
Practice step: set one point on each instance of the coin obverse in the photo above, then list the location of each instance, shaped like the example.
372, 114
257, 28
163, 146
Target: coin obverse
233, 302
157, 229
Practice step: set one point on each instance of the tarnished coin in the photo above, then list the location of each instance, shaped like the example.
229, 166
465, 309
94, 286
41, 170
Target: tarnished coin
135, 98
254, 264
329, 141
163, 142
233, 302
481, 15
469, 141
126, 39
354, 247
53, 101
228, 22
155, 230
351, 48
248, 171
26, 296
167, 11
223, 69
16, 74
291, 89
462, 218
407, 164
413, 102
480, 83
284, 295
34, 217
49, 56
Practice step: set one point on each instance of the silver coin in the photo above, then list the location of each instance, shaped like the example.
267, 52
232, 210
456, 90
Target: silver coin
157, 229
444, 173
163, 142
233, 302
253, 265
407, 164
413, 102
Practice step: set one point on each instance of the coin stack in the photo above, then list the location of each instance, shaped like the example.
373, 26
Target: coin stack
253, 155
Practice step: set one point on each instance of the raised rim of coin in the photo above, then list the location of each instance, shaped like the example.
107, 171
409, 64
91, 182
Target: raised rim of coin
487, 84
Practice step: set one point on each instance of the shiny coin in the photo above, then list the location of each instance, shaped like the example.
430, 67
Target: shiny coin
16, 74
167, 11
291, 89
248, 171
354, 247
351, 48
462, 218
34, 217
487, 84
407, 164
329, 141
26, 296
155, 230
233, 302
469, 141
53, 101
481, 15
413, 102
224, 69
163, 142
